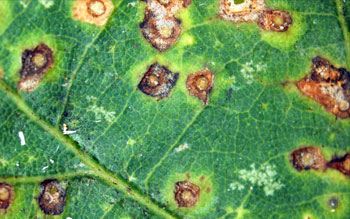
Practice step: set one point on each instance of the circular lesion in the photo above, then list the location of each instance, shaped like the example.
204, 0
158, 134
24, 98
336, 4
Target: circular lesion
96, 8
186, 193
6, 196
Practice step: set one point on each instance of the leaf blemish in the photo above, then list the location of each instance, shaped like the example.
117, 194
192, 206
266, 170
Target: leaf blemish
199, 84
52, 198
93, 11
250, 11
160, 27
186, 194
158, 81
6, 196
342, 164
35, 63
308, 158
329, 86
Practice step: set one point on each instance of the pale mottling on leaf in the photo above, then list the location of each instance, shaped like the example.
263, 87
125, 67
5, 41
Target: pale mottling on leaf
47, 3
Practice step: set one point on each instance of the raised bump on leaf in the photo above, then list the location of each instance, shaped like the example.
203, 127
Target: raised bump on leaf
35, 63
158, 81
200, 83
308, 158
160, 27
6, 196
251, 11
342, 164
93, 11
52, 198
186, 194
329, 86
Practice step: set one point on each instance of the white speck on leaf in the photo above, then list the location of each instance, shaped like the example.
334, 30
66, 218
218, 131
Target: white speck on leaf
17, 164
44, 168
21, 137
47, 3
265, 177
236, 185
24, 3
132, 4
182, 147
52, 161
67, 132
101, 112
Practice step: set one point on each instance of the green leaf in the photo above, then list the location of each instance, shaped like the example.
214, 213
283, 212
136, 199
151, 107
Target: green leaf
127, 150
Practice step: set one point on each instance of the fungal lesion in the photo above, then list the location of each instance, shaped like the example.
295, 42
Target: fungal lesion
329, 86
6, 196
35, 64
200, 84
93, 11
52, 197
160, 27
158, 81
341, 163
186, 194
255, 11
307, 158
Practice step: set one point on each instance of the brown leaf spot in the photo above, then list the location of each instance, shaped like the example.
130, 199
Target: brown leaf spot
186, 194
200, 83
6, 196
328, 86
35, 63
160, 27
342, 164
273, 20
255, 11
308, 158
93, 11
52, 198
248, 11
158, 81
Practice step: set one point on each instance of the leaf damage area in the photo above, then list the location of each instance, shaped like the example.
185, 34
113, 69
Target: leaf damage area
6, 196
35, 63
199, 84
307, 158
329, 86
158, 81
52, 198
186, 194
255, 11
342, 164
160, 27
93, 11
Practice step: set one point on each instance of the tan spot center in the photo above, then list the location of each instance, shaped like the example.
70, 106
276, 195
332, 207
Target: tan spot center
4, 194
346, 164
307, 159
153, 81
202, 83
187, 196
164, 1
166, 31
278, 20
39, 60
96, 8
344, 105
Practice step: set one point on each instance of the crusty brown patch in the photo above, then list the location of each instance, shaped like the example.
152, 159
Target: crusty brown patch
158, 81
199, 84
160, 27
329, 86
93, 11
186, 194
6, 196
35, 63
52, 198
342, 164
255, 11
308, 158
